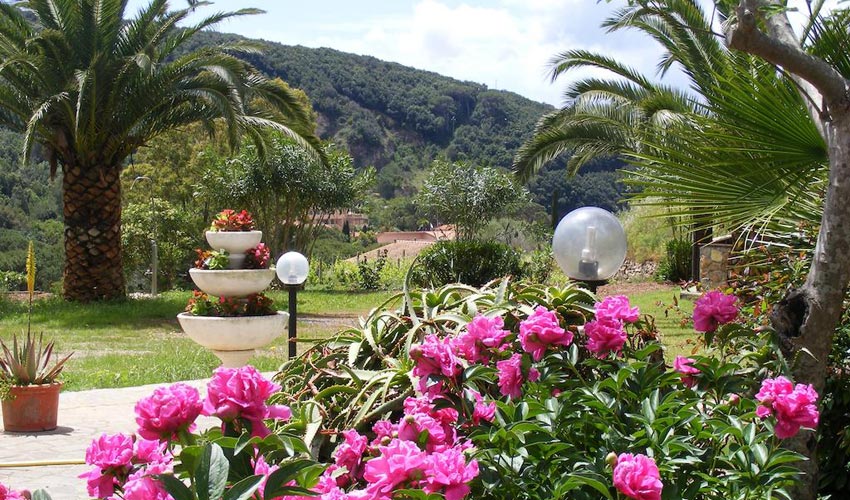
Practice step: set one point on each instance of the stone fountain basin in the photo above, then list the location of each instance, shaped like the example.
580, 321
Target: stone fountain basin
234, 241
232, 282
241, 333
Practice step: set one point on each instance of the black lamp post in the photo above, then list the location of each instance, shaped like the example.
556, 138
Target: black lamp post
590, 246
292, 269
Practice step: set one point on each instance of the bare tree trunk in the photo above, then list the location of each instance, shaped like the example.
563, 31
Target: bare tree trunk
92, 207
806, 318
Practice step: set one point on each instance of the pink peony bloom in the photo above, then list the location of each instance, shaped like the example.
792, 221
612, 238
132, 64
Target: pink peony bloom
434, 356
399, 463
349, 453
482, 411
482, 335
450, 474
439, 434
713, 309
616, 308
384, 429
540, 330
241, 393
685, 367
168, 411
604, 336
637, 476
9, 494
142, 486
147, 452
510, 376
112, 457
793, 406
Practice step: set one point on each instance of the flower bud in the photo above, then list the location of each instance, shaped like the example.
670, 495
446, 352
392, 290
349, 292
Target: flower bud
734, 399
611, 459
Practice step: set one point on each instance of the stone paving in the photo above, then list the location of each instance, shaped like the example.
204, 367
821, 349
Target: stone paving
83, 416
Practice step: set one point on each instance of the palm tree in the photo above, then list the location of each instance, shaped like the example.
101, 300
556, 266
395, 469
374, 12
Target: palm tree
731, 150
90, 87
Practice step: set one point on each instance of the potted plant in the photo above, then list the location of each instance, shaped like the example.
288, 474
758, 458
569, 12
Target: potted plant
233, 232
29, 389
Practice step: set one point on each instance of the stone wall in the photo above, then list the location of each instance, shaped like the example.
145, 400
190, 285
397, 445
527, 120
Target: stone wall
714, 265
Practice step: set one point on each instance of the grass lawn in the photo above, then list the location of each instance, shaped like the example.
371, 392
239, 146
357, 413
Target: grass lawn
139, 342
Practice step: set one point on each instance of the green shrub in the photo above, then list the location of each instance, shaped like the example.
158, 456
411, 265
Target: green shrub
419, 367
676, 265
11, 281
647, 231
470, 262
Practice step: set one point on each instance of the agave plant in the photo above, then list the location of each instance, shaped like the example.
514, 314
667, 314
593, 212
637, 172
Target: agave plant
362, 374
30, 362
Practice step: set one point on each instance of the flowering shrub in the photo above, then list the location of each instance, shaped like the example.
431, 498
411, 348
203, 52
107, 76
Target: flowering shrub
231, 220
507, 378
237, 460
257, 257
256, 304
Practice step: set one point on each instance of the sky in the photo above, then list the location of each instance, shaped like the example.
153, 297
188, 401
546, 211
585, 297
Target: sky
504, 44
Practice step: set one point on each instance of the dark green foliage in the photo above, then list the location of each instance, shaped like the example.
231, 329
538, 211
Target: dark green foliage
676, 265
369, 272
470, 262
599, 184
834, 435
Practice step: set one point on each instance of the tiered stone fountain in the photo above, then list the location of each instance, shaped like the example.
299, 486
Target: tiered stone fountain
233, 339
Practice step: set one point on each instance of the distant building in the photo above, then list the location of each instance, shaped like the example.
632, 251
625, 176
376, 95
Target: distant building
444, 232
337, 219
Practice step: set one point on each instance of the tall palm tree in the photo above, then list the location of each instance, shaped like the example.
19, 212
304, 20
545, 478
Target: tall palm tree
90, 87
730, 150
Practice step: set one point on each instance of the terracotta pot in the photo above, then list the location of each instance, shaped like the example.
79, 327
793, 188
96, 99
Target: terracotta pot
31, 408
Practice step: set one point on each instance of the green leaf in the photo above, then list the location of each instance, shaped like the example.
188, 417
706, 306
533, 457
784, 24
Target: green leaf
286, 473
211, 473
244, 489
40, 495
175, 487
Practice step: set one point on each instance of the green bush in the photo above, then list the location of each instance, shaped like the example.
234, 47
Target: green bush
647, 231
676, 265
470, 262
11, 281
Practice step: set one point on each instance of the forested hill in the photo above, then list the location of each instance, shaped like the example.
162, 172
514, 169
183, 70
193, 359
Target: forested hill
398, 118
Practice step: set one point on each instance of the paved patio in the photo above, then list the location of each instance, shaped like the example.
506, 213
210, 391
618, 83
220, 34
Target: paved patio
83, 416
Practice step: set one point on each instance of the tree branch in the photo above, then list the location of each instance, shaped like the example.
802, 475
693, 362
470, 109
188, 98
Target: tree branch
781, 47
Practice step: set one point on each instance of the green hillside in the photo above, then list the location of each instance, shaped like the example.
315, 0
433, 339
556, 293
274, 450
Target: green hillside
397, 118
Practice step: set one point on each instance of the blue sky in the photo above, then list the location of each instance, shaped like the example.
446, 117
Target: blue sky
505, 44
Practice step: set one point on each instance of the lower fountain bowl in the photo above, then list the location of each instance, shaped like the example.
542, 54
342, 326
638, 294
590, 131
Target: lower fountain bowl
233, 339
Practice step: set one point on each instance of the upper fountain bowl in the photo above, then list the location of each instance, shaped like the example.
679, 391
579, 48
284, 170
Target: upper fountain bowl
234, 241
232, 282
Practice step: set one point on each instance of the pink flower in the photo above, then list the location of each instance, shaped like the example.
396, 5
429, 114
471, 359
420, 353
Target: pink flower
148, 451
168, 411
384, 429
482, 411
637, 476
793, 406
510, 376
399, 462
434, 356
9, 494
540, 330
482, 335
617, 308
685, 367
112, 456
439, 435
241, 393
142, 486
713, 309
604, 336
349, 453
449, 473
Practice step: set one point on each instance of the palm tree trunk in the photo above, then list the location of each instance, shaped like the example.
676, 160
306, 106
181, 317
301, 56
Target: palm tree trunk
91, 197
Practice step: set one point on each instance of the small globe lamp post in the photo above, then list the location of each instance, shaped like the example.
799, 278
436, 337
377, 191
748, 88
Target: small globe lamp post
292, 269
589, 246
